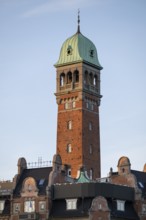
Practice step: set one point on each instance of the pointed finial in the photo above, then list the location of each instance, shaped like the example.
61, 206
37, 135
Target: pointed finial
78, 31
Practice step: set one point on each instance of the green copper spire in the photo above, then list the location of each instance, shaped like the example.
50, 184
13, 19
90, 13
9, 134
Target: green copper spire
78, 31
78, 48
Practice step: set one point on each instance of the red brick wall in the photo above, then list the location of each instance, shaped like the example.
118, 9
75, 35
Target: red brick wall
91, 161
80, 137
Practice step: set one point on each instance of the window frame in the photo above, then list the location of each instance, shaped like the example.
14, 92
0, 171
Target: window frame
73, 104
27, 208
121, 205
2, 205
69, 125
90, 126
69, 148
71, 204
69, 172
42, 206
16, 207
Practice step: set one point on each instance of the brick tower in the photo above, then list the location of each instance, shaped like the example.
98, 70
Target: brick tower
78, 98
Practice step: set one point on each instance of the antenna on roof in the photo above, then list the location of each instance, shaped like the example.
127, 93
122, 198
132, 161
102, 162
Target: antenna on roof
78, 31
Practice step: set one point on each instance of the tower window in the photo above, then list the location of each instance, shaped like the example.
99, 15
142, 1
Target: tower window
100, 206
76, 76
90, 126
95, 80
91, 53
66, 105
91, 78
69, 125
86, 77
87, 104
90, 149
62, 79
74, 104
70, 105
69, 148
69, 77
92, 106
69, 172
69, 50
123, 170
91, 174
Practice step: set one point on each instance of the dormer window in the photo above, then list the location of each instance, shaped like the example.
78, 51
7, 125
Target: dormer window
69, 50
91, 53
71, 204
29, 187
41, 182
120, 205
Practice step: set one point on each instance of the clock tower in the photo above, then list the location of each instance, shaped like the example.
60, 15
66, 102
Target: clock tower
78, 98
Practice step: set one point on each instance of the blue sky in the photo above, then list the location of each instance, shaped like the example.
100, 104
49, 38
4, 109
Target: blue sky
31, 36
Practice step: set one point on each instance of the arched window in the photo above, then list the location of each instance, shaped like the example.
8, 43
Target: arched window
123, 170
95, 80
69, 77
62, 79
66, 105
69, 50
73, 104
76, 76
92, 106
86, 77
69, 125
91, 78
69, 148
